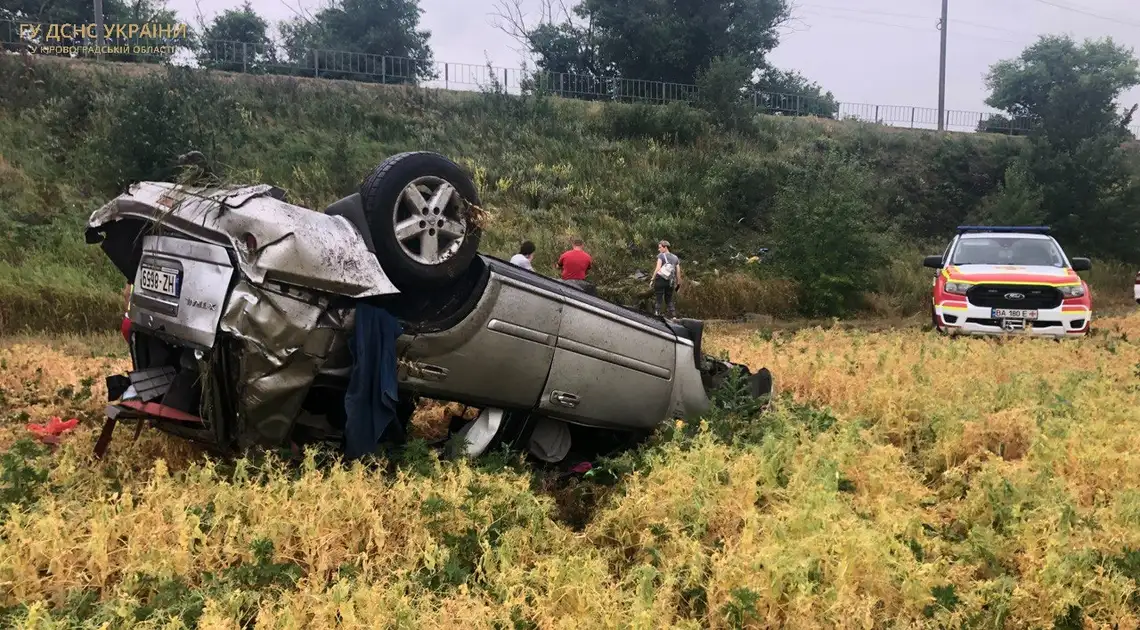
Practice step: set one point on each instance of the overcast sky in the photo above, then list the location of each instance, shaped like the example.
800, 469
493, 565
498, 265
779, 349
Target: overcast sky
865, 51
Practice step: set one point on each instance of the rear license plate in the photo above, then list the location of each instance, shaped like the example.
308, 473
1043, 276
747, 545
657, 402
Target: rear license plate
166, 282
1013, 313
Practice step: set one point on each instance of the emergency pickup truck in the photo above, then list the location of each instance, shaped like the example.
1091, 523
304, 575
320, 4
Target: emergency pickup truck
1009, 279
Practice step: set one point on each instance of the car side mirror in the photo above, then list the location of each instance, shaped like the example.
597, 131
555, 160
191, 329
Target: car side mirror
934, 262
1081, 264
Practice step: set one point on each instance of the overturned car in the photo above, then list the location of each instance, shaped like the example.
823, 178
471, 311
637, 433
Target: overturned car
258, 323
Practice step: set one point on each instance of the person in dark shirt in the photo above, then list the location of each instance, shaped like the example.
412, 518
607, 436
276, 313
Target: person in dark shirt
574, 264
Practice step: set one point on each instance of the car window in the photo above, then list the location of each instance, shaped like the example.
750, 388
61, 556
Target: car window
1011, 250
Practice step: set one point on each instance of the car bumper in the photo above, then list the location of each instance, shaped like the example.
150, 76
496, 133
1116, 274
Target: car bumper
1064, 321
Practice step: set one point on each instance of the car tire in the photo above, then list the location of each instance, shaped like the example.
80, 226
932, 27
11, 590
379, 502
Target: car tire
419, 254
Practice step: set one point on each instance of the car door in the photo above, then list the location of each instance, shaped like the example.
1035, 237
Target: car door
612, 367
498, 355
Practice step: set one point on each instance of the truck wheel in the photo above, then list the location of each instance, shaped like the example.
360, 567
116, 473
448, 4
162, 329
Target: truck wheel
418, 206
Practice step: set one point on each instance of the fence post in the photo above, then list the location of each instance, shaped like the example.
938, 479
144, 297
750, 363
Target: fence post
877, 121
244, 58
316, 64
506, 87
912, 118
446, 76
384, 69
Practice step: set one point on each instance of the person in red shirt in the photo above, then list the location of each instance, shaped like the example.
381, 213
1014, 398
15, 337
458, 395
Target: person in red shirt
574, 263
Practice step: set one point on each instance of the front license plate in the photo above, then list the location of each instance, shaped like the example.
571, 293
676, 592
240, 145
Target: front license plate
159, 280
1013, 313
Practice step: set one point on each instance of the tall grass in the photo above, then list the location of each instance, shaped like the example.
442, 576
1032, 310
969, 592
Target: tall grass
902, 480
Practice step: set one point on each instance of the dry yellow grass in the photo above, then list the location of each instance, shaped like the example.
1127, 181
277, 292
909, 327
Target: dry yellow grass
905, 481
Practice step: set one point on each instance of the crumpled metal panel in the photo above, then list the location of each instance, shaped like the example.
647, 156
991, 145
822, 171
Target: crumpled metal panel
152, 383
285, 339
293, 244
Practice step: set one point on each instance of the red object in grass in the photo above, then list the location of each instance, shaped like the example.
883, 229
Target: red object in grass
50, 432
125, 328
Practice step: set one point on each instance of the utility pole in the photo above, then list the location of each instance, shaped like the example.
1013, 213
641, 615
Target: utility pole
941, 71
99, 29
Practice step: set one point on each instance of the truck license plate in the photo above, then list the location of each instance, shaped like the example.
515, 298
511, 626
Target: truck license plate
159, 280
1013, 313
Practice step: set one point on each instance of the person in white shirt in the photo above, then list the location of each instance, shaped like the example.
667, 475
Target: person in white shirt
666, 280
525, 256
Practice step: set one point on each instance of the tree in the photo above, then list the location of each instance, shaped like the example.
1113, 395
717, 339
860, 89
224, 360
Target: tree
671, 41
1086, 183
1018, 201
1068, 91
822, 225
368, 40
722, 89
791, 93
1007, 125
237, 40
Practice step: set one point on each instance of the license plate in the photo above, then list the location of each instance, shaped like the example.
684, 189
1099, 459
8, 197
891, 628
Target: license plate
1013, 313
159, 280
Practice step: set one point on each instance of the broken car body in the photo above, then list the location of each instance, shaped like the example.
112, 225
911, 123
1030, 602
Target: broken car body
246, 321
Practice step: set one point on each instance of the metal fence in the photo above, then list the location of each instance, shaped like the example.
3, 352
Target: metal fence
334, 64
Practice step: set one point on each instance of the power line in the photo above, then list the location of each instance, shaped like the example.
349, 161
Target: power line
910, 27
1064, 7
913, 16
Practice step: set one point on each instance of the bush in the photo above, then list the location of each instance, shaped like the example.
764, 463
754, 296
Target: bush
823, 229
676, 122
748, 186
158, 118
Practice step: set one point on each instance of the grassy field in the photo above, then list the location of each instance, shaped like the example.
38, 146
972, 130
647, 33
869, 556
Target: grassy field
903, 480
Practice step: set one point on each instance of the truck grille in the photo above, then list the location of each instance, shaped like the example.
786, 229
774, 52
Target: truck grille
993, 296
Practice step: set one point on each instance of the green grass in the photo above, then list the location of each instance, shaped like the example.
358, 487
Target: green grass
621, 176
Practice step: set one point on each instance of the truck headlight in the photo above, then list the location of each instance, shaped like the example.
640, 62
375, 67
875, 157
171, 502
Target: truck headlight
1074, 291
957, 288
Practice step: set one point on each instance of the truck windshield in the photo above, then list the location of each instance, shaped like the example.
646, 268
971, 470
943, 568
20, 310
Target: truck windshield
1008, 250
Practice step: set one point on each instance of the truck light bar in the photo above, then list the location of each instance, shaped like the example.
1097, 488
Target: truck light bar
1027, 229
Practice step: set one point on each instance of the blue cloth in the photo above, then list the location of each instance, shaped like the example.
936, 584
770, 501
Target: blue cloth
370, 402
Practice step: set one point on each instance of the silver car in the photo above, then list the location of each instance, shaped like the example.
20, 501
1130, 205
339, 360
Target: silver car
246, 323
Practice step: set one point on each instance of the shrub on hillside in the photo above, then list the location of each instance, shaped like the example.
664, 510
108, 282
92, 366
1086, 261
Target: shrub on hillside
825, 233
157, 118
1018, 201
674, 122
747, 185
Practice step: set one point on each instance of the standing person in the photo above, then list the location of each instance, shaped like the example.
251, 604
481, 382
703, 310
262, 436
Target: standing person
575, 263
666, 280
525, 256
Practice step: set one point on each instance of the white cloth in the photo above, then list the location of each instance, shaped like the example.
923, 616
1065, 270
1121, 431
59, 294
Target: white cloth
521, 261
550, 440
479, 432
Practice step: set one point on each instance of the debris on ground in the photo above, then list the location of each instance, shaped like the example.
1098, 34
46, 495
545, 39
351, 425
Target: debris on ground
50, 433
